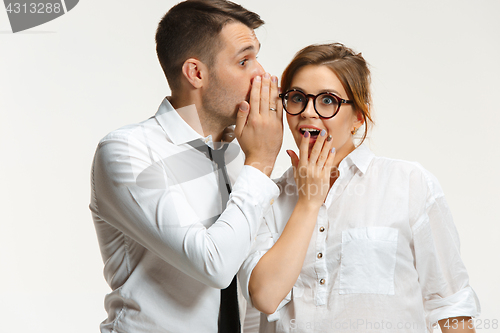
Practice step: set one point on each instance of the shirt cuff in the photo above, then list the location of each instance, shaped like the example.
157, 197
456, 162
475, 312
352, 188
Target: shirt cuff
461, 304
276, 315
246, 271
244, 278
253, 188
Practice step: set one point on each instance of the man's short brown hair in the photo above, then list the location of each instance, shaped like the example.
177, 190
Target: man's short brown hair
191, 29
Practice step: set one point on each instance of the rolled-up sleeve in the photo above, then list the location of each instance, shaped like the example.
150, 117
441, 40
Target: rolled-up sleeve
266, 238
161, 220
263, 242
442, 274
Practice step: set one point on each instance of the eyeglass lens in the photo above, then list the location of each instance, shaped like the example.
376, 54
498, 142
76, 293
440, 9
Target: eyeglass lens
325, 104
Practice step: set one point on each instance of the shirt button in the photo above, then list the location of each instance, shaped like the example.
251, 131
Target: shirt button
320, 255
321, 229
206, 140
322, 281
272, 201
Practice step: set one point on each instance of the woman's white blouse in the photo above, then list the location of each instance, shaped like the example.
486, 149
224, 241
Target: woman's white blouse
384, 255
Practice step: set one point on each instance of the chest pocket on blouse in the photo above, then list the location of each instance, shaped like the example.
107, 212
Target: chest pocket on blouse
368, 261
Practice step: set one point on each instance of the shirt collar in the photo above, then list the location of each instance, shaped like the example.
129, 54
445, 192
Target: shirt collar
176, 128
360, 157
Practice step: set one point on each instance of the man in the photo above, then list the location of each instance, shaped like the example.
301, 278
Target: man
156, 200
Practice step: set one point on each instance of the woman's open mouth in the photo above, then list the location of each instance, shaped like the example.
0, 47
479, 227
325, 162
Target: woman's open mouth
312, 131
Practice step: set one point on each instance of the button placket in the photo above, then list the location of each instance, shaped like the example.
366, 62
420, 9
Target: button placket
320, 262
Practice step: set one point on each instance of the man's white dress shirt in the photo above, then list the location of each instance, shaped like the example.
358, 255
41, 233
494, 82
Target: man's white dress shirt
384, 255
155, 203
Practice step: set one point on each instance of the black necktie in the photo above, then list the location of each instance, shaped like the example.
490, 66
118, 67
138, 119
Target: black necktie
229, 316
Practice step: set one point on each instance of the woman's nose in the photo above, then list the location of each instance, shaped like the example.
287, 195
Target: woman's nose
309, 111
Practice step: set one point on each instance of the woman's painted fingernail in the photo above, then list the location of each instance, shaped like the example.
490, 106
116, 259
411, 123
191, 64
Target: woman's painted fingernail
329, 138
323, 132
267, 76
333, 150
274, 79
257, 78
306, 134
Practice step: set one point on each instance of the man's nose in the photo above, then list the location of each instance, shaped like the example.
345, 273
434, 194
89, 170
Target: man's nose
259, 70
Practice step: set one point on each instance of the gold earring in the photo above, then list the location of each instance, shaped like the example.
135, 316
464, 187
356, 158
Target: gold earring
353, 132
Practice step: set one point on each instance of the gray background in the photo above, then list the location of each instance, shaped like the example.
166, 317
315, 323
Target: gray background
67, 83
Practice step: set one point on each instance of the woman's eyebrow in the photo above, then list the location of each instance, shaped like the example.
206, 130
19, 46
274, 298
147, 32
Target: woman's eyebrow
333, 91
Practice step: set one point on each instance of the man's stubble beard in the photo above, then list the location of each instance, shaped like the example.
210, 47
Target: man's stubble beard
220, 109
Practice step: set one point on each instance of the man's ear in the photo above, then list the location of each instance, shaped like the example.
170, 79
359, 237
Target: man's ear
195, 72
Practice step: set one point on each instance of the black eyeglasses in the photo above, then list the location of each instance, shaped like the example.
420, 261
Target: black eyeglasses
326, 104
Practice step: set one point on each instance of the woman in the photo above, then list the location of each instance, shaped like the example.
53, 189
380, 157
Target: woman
354, 242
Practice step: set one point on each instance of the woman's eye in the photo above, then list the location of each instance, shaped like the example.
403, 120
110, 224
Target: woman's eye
243, 62
297, 98
327, 100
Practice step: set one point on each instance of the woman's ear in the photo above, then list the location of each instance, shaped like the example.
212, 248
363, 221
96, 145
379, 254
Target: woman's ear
360, 120
195, 72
